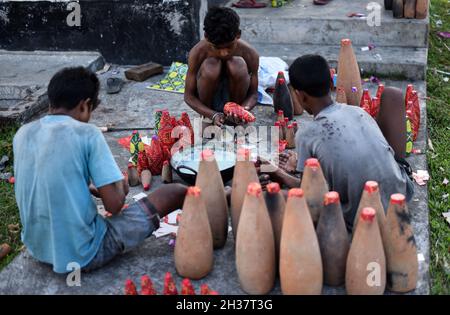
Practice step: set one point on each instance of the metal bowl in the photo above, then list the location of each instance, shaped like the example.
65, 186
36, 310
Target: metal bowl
186, 163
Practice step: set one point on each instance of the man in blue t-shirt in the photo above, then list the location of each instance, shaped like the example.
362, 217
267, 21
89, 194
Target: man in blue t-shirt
59, 161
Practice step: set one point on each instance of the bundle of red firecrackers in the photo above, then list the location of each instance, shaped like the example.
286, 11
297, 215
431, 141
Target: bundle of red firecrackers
412, 106
162, 144
170, 287
231, 108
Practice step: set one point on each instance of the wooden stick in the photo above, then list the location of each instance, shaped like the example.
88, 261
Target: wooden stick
112, 129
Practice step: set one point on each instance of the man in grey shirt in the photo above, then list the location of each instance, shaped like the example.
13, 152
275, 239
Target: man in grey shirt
350, 145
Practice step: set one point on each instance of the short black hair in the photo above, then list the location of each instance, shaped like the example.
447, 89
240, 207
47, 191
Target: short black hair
69, 86
221, 25
311, 74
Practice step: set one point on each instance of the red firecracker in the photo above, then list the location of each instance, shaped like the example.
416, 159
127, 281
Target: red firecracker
187, 288
147, 286
280, 115
130, 287
375, 106
380, 91
366, 102
413, 113
205, 290
156, 155
231, 108
416, 112
282, 145
169, 285
142, 162
408, 94
185, 121
167, 123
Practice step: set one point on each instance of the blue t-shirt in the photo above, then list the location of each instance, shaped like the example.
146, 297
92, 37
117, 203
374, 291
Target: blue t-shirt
55, 158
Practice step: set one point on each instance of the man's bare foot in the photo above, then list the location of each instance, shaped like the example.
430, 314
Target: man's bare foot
288, 161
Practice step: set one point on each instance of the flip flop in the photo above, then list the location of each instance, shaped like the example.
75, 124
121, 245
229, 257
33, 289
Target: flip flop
114, 85
321, 2
248, 4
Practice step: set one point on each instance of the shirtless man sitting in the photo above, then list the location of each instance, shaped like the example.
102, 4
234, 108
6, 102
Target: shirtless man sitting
222, 68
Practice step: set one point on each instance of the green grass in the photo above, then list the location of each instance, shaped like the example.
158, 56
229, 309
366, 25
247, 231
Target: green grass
438, 110
9, 213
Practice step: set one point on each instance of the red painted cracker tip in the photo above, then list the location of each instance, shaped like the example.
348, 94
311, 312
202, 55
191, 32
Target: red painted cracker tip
280, 112
295, 192
244, 152
194, 191
281, 81
295, 124
312, 162
367, 214
398, 199
130, 165
290, 126
346, 41
12, 180
277, 124
273, 188
331, 197
186, 281
280, 72
286, 119
207, 154
146, 187
254, 189
371, 186
166, 163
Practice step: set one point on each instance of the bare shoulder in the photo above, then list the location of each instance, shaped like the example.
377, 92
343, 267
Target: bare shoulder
247, 50
199, 52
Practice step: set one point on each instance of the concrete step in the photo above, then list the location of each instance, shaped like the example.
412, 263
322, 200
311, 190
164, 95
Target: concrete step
134, 106
25, 75
393, 62
304, 23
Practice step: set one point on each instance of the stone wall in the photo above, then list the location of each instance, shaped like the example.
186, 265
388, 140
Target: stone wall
123, 31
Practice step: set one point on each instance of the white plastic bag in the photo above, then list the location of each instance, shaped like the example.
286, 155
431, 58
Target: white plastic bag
267, 75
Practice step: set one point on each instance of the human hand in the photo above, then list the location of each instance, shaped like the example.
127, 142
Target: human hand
126, 186
264, 166
288, 161
94, 190
218, 119
233, 118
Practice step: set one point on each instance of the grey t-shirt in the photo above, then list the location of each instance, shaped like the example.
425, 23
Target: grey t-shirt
351, 150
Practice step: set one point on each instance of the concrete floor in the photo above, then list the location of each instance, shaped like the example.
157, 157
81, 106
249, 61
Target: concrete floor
134, 106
